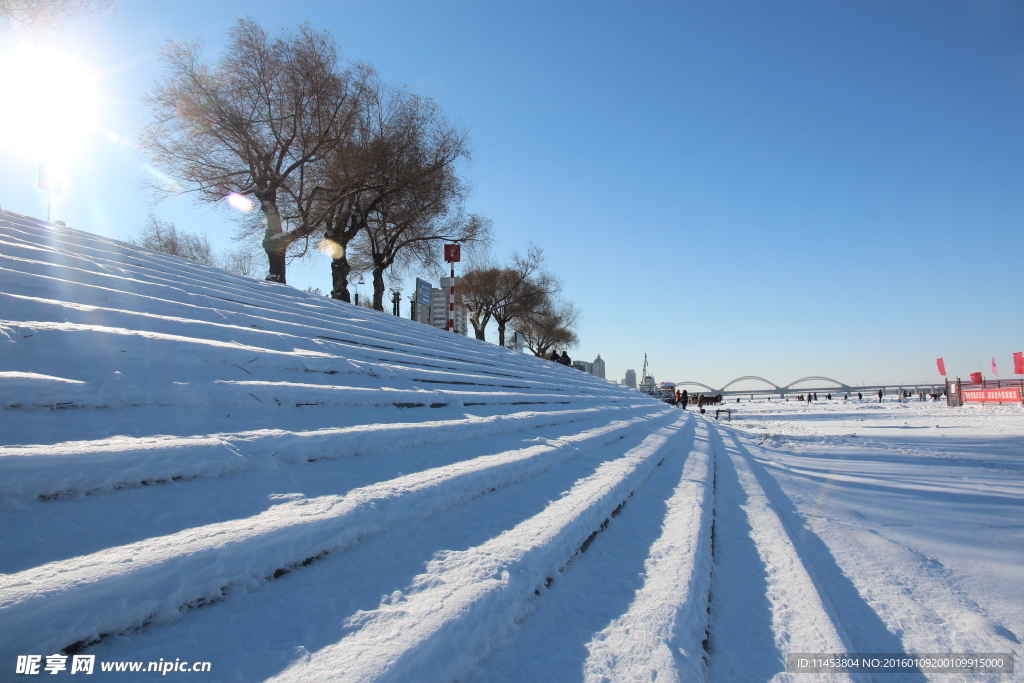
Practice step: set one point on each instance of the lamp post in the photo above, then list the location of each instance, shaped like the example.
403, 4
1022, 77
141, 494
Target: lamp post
396, 298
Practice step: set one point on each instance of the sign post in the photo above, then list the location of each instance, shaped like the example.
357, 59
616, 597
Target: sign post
452, 254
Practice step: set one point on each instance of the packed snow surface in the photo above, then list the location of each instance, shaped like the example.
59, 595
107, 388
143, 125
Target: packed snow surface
201, 467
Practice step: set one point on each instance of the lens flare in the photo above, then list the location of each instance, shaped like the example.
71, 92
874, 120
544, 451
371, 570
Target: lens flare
240, 202
165, 181
331, 248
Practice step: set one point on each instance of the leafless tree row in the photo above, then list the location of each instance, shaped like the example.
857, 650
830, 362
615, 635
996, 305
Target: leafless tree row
325, 152
523, 294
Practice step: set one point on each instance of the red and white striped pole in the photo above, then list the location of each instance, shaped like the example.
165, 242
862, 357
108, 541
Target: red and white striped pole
451, 255
451, 300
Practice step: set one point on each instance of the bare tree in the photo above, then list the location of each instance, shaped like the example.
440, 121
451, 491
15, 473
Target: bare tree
550, 327
396, 189
479, 290
241, 261
509, 293
254, 123
162, 236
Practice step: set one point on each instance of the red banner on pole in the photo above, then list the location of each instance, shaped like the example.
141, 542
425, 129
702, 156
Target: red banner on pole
941, 362
975, 376
1018, 363
995, 368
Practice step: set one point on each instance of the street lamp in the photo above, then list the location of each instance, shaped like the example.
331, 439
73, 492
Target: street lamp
396, 298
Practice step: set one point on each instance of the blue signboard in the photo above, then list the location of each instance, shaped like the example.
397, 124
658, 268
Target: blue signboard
423, 292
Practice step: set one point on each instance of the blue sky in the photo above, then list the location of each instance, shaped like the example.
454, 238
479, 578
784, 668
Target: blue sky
771, 188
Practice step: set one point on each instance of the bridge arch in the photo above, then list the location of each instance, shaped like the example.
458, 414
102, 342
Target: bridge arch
746, 377
679, 384
819, 378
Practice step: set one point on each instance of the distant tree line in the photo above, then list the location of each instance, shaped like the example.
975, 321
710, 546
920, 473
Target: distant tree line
324, 152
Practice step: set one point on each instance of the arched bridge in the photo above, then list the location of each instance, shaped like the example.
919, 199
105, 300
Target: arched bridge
810, 383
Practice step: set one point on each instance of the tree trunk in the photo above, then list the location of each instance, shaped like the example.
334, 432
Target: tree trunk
341, 229
275, 247
501, 331
340, 268
378, 287
277, 262
479, 324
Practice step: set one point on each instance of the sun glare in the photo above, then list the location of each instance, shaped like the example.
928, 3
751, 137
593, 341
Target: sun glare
49, 104
240, 202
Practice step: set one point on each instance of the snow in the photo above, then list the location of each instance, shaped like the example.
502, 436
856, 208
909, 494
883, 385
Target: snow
197, 466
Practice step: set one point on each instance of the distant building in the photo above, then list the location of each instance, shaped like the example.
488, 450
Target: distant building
439, 308
630, 380
596, 368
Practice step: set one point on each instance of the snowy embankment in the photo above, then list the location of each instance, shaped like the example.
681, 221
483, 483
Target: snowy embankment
134, 382
201, 467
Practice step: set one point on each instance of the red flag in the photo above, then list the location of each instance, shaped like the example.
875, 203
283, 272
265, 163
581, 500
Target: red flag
942, 366
975, 376
995, 368
1018, 363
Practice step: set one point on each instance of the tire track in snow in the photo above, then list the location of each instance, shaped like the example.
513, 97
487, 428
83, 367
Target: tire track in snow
467, 601
764, 602
150, 581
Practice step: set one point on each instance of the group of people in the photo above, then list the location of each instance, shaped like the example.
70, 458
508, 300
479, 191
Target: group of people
683, 399
563, 359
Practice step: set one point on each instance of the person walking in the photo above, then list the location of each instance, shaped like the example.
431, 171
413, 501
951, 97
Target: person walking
685, 398
880, 395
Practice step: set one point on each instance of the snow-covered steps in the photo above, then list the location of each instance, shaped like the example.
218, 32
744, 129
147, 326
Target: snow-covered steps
113, 306
660, 637
466, 602
46, 472
278, 435
151, 581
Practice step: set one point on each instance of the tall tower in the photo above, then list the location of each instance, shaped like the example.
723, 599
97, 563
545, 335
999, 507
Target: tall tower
630, 380
598, 370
